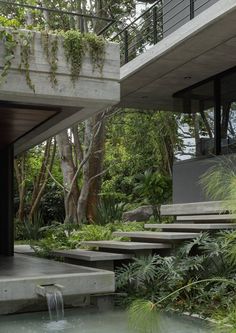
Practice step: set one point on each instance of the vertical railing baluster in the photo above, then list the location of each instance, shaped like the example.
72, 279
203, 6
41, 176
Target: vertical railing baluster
126, 46
192, 11
155, 32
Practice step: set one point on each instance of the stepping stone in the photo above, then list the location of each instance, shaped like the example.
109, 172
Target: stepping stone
207, 218
24, 249
192, 226
102, 260
139, 248
149, 236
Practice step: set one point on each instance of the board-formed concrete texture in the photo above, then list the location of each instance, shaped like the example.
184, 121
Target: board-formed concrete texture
191, 226
93, 92
130, 246
157, 236
21, 274
196, 51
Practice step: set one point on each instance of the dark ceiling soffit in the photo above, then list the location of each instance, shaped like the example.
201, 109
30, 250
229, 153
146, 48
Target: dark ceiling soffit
180, 93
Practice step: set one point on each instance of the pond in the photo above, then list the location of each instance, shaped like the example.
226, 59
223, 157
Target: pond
91, 321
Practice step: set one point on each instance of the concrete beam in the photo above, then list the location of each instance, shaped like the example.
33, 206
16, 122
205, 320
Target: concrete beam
197, 50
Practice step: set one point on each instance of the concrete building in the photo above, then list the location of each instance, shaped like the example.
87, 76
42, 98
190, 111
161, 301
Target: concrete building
191, 68
27, 117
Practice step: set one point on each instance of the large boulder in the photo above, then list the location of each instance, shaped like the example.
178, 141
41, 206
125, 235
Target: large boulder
142, 213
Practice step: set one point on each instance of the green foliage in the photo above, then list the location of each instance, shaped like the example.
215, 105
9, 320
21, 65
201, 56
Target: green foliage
26, 42
74, 51
70, 236
96, 48
10, 44
219, 182
135, 143
144, 316
35, 227
108, 210
199, 278
50, 46
153, 188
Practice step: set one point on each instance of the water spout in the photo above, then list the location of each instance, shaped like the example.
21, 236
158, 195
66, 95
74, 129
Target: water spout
53, 294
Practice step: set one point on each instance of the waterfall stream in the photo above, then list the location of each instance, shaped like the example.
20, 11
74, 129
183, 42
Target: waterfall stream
55, 304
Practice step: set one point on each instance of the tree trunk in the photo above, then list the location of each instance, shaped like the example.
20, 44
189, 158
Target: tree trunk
95, 168
71, 191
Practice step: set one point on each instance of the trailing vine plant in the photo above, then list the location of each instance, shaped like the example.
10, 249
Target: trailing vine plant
26, 42
50, 47
10, 43
96, 48
74, 51
75, 46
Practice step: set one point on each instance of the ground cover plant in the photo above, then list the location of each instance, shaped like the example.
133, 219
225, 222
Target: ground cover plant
200, 277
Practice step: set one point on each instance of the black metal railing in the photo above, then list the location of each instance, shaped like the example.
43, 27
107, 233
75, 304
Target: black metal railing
104, 23
161, 19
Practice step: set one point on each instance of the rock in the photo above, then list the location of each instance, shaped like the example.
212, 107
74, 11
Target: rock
139, 214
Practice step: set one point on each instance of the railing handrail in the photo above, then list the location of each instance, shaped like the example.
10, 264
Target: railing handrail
139, 17
66, 12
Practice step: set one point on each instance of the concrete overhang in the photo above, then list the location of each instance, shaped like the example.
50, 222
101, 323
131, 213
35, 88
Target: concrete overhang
203, 47
27, 117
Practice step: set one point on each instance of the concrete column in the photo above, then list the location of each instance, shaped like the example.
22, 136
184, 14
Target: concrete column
6, 202
217, 116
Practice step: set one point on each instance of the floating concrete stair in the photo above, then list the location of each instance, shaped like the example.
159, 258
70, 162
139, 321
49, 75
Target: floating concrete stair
195, 208
149, 236
96, 259
207, 218
192, 227
130, 247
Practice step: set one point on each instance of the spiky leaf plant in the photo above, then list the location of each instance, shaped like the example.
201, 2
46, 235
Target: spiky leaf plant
219, 182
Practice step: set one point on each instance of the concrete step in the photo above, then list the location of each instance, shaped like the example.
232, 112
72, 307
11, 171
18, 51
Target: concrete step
207, 218
195, 208
130, 247
149, 236
191, 226
90, 255
96, 259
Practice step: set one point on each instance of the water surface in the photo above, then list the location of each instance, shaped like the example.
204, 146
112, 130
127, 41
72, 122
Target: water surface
91, 321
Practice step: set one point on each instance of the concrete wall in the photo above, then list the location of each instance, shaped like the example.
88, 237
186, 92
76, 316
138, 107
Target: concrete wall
177, 12
94, 91
186, 176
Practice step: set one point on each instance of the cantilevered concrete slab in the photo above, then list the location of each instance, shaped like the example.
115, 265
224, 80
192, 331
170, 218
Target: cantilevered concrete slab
198, 50
196, 208
147, 236
125, 246
207, 218
21, 274
28, 117
191, 227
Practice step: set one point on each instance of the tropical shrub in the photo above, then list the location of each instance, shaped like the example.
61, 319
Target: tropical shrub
199, 278
108, 211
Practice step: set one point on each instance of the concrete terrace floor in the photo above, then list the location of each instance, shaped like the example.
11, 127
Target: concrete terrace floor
29, 266
22, 276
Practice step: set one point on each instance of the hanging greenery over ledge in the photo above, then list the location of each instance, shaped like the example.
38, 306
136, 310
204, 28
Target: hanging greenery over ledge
75, 45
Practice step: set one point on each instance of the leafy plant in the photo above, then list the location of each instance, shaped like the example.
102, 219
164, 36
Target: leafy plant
153, 188
108, 210
219, 182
